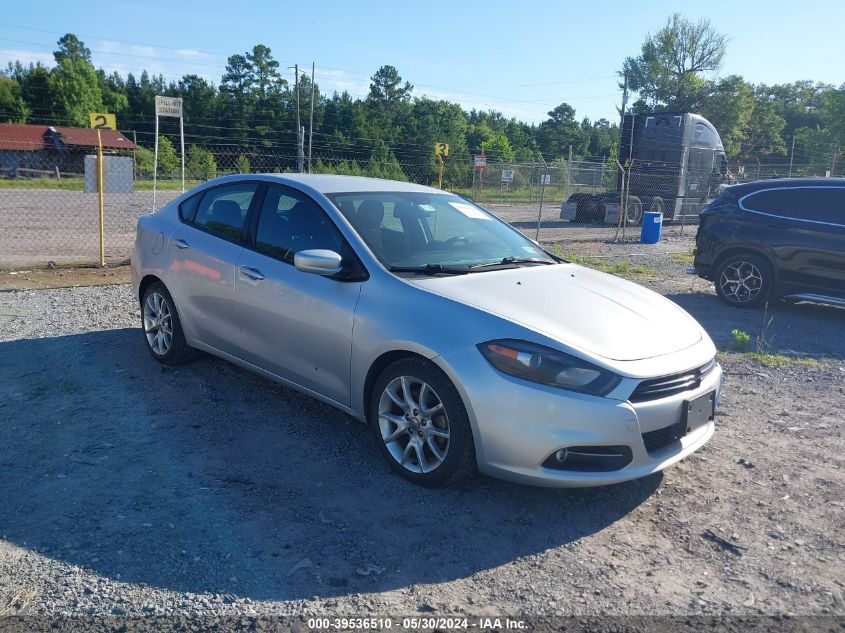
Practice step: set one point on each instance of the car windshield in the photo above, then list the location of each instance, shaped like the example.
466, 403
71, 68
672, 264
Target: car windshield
441, 231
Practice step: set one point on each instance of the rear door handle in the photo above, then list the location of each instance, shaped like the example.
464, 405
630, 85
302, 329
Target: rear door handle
252, 273
180, 243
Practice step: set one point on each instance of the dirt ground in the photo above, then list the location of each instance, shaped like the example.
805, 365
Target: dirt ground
133, 489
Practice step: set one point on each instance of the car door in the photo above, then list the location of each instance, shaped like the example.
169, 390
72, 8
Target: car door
297, 325
804, 230
204, 252
822, 209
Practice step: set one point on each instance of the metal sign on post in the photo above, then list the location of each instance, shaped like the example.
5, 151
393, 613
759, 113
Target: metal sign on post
100, 121
480, 161
507, 175
546, 179
172, 107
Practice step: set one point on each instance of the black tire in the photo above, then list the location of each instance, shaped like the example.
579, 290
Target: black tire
756, 287
459, 461
657, 205
178, 350
633, 211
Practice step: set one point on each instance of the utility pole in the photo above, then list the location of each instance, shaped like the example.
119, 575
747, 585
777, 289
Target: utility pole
624, 105
311, 124
791, 154
299, 156
833, 162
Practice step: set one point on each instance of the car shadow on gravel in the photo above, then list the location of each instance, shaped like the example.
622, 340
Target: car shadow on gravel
806, 329
206, 478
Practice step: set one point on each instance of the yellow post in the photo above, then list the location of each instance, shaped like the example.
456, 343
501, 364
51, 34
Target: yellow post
440, 175
101, 200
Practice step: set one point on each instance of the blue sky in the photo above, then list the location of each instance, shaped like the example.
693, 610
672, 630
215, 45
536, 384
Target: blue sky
522, 58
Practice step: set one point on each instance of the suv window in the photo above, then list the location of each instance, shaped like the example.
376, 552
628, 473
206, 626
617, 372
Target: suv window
290, 222
222, 210
818, 204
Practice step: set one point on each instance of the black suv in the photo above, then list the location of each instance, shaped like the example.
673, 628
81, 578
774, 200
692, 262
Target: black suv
775, 238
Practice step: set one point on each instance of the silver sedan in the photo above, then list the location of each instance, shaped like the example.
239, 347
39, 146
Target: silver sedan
460, 342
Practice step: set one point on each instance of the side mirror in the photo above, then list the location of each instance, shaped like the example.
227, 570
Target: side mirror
318, 262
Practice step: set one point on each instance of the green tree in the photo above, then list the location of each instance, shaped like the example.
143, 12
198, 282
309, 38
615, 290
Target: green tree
383, 164
143, 162
729, 106
387, 89
168, 160
200, 163
498, 147
560, 131
13, 108
242, 164
74, 85
668, 72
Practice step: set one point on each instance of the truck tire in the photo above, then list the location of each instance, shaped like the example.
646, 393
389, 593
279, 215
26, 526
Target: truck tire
633, 211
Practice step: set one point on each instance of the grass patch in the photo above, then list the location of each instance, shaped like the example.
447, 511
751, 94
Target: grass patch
622, 269
78, 184
686, 259
779, 361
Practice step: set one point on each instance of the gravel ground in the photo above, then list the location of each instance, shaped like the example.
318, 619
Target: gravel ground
133, 489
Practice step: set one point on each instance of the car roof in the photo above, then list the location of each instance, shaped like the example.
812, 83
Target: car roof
771, 183
326, 183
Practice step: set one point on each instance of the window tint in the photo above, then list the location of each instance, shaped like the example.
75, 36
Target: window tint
222, 210
819, 204
291, 222
188, 208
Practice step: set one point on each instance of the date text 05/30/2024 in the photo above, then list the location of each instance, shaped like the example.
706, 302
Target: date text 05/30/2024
415, 623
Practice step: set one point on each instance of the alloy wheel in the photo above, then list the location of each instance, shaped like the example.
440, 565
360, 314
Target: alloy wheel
741, 281
413, 424
158, 324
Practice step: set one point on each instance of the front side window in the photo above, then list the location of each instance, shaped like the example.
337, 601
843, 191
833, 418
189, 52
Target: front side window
412, 229
290, 222
222, 210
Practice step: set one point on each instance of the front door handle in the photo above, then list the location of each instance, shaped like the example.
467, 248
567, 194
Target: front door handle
180, 243
252, 273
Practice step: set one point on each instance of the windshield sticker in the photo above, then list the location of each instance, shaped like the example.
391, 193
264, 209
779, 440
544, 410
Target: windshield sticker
469, 210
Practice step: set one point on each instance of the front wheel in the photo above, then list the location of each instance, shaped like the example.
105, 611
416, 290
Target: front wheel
420, 424
744, 281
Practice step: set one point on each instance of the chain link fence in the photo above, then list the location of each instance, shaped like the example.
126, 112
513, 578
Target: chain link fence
49, 209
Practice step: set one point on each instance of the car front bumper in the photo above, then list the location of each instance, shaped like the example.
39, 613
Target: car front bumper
518, 425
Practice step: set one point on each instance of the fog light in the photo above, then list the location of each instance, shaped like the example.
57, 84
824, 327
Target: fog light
561, 455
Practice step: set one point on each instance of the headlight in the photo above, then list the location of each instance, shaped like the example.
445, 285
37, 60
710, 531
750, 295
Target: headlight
544, 365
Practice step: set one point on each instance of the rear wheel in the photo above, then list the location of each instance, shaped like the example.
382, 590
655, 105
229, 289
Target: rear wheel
162, 328
420, 423
745, 280
633, 211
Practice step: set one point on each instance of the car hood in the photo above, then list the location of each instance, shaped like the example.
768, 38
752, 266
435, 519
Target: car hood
587, 310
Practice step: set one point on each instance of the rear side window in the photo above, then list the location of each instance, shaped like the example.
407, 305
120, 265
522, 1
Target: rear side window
222, 211
816, 204
188, 208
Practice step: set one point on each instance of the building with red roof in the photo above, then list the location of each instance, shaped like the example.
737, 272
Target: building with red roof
26, 150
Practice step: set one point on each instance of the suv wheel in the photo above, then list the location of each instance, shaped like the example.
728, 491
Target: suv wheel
420, 424
744, 281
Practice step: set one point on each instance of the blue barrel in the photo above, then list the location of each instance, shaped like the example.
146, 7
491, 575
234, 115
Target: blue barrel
652, 227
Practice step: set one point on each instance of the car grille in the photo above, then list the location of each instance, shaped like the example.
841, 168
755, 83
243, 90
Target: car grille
666, 386
655, 440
